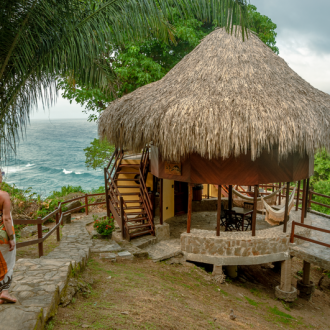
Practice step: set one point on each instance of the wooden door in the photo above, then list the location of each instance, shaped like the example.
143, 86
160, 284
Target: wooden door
180, 197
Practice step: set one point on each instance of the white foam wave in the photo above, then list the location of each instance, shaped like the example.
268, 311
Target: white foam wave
14, 169
77, 172
29, 165
66, 172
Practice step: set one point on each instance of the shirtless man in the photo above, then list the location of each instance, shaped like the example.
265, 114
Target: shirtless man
7, 247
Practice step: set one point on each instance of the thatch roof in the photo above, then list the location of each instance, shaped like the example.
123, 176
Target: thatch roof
225, 97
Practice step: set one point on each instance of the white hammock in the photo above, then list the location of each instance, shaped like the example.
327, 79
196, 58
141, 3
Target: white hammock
239, 199
274, 217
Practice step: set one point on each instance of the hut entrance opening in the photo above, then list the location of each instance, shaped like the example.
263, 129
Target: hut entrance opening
180, 197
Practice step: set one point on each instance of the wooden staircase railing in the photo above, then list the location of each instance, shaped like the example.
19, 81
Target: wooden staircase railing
133, 220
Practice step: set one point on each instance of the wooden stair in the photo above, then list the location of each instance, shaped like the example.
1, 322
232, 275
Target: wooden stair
137, 220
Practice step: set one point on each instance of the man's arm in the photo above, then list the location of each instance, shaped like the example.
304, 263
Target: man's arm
6, 217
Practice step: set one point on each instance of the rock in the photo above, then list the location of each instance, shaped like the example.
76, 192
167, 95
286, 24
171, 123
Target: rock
232, 316
124, 313
85, 326
31, 230
125, 254
110, 256
70, 291
66, 218
181, 261
73, 205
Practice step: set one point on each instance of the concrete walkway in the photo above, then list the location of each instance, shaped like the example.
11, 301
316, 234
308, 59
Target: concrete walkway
313, 253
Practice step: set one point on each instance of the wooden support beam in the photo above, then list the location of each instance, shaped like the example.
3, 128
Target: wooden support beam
208, 191
286, 216
254, 215
298, 193
41, 244
161, 202
279, 194
190, 198
106, 192
230, 197
307, 196
122, 220
303, 203
219, 211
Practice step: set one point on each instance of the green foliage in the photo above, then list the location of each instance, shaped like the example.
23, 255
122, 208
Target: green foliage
321, 167
264, 27
104, 226
51, 202
281, 316
43, 40
98, 154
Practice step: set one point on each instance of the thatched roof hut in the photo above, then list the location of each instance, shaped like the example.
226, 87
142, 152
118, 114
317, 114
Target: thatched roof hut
226, 97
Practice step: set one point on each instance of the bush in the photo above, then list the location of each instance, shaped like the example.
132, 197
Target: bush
322, 187
104, 226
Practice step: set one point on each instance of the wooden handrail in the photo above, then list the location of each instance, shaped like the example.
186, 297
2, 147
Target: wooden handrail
59, 221
293, 235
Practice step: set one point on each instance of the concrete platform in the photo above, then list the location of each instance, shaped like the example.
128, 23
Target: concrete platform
313, 253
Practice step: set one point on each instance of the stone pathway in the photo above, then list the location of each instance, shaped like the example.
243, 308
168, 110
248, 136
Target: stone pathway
39, 284
316, 254
164, 250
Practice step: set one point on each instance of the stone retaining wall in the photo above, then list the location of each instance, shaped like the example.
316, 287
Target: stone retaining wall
240, 248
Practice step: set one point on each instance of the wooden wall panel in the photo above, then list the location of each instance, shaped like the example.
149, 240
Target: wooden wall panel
240, 170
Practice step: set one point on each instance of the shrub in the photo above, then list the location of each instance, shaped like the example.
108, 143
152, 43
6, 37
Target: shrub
104, 226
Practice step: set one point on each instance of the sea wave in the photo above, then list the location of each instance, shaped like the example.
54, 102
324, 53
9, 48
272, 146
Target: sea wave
29, 165
66, 172
78, 173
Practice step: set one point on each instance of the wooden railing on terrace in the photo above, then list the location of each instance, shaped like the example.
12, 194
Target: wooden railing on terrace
58, 213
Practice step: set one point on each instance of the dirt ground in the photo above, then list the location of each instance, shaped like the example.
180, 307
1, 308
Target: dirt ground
142, 294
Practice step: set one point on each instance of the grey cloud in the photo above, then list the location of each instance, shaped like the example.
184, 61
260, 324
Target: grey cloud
303, 19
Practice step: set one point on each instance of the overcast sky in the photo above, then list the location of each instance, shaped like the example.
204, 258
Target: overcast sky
303, 37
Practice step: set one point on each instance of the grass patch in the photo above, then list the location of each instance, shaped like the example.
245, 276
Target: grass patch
251, 301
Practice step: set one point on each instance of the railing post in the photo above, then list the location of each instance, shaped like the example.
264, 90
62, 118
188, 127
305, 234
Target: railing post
286, 215
106, 193
307, 195
86, 204
254, 215
122, 217
58, 237
292, 232
41, 244
303, 203
298, 193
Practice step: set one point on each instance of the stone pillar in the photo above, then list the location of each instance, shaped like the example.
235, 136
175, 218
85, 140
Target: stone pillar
285, 290
306, 287
218, 275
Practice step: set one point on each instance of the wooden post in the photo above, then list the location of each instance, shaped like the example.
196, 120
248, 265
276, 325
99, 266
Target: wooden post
307, 195
208, 191
279, 194
161, 202
303, 203
286, 216
230, 198
298, 193
106, 193
86, 204
219, 211
306, 273
122, 220
190, 197
40, 245
58, 237
254, 215
292, 232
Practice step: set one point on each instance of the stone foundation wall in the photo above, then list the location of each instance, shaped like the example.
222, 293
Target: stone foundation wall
239, 248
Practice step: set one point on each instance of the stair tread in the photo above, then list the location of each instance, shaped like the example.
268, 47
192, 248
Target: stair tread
132, 201
139, 226
129, 165
130, 194
129, 186
120, 172
141, 233
130, 179
134, 208
137, 219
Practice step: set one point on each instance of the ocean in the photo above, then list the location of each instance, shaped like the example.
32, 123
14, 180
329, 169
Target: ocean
52, 155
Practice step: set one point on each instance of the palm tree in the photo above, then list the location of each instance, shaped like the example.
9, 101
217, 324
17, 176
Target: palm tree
41, 40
